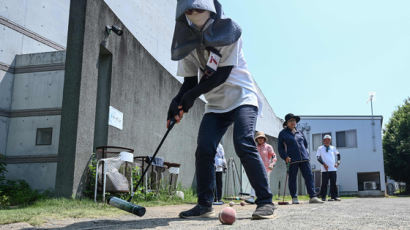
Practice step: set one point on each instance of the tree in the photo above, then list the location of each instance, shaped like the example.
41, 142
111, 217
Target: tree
396, 145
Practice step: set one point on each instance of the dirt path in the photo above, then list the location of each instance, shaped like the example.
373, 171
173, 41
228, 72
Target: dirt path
366, 213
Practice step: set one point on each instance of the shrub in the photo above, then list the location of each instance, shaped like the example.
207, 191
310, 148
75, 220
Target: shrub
3, 169
17, 193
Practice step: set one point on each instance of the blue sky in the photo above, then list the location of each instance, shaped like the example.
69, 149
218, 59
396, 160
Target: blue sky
323, 57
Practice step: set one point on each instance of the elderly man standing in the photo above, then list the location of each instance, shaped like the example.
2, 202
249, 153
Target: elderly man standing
292, 146
326, 155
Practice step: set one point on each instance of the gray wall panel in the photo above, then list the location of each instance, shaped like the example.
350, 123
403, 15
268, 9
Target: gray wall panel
22, 135
38, 90
6, 86
40, 58
4, 125
40, 176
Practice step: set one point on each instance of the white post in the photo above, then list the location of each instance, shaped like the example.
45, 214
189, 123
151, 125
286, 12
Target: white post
372, 94
96, 182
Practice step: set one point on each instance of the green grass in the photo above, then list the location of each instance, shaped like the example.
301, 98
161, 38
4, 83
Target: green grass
163, 198
57, 208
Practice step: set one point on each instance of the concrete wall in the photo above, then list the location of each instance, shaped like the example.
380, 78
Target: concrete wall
138, 16
354, 160
40, 176
6, 86
140, 88
36, 103
34, 17
29, 26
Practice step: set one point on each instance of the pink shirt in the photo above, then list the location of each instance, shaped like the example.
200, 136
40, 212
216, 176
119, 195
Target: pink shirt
266, 152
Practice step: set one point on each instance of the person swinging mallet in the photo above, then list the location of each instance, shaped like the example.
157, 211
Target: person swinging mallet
208, 48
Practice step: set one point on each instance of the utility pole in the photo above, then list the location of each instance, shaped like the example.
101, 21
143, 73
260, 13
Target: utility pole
371, 97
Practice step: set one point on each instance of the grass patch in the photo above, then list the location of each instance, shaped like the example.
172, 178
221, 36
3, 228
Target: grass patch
57, 208
44, 210
163, 198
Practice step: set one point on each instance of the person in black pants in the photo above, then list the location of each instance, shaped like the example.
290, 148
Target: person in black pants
326, 155
220, 167
293, 148
208, 48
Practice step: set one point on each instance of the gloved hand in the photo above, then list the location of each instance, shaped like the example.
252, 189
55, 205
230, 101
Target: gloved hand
173, 109
187, 101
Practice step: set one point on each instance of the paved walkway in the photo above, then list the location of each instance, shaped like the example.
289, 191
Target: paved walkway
364, 213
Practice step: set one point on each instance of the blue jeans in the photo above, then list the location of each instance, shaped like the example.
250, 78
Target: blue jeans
307, 175
211, 131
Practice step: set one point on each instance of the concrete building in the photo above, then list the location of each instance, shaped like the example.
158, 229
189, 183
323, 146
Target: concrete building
46, 135
359, 141
31, 87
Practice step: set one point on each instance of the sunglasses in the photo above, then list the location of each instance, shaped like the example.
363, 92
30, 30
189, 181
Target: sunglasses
191, 11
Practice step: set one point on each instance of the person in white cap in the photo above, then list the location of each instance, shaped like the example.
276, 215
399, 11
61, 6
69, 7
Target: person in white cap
327, 155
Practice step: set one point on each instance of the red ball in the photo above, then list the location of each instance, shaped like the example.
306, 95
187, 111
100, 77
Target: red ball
227, 215
242, 203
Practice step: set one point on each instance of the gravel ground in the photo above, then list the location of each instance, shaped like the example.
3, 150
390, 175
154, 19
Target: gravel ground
364, 213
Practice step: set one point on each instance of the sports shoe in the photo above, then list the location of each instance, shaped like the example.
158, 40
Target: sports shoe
336, 199
198, 211
250, 200
315, 200
264, 211
295, 200
219, 202
323, 199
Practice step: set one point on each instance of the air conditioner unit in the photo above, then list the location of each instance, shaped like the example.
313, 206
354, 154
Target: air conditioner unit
369, 185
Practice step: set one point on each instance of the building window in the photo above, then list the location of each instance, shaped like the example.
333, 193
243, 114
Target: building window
317, 140
44, 136
346, 139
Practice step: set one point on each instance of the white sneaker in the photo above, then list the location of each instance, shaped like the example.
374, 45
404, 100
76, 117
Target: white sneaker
295, 200
315, 200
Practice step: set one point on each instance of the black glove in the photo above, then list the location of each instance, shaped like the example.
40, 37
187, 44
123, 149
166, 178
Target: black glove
173, 109
189, 83
187, 101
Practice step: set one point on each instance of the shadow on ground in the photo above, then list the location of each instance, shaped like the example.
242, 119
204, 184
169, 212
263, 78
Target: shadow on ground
126, 224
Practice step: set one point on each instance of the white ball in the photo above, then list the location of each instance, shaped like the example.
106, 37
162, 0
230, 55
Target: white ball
180, 194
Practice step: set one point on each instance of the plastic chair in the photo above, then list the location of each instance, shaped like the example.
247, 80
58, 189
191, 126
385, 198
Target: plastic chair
111, 168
